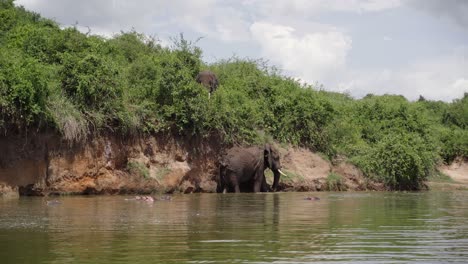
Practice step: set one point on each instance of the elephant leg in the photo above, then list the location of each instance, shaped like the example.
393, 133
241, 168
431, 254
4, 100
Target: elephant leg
257, 185
233, 181
265, 186
259, 181
220, 187
221, 184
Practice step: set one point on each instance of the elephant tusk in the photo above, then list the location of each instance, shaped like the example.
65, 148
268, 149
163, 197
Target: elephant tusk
282, 173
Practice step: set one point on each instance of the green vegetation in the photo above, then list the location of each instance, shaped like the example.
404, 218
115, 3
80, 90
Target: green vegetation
138, 169
162, 173
440, 177
81, 85
335, 182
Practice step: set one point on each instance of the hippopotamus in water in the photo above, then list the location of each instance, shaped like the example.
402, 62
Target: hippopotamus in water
145, 198
150, 199
53, 202
313, 198
165, 198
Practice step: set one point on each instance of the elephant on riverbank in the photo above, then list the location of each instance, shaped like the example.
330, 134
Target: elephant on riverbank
209, 80
244, 169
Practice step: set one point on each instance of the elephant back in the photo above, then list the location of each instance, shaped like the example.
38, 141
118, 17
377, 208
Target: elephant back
241, 157
208, 79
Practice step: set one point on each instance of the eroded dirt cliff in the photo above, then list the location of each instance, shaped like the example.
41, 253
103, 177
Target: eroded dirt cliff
43, 164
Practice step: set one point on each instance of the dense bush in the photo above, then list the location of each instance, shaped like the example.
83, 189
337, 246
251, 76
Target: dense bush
388, 137
92, 82
454, 143
457, 113
80, 84
23, 89
402, 161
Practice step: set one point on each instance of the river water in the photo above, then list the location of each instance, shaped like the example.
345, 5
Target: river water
378, 227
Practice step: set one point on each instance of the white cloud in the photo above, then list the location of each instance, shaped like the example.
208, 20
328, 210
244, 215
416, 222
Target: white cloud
375, 5
460, 86
105, 15
455, 10
443, 78
294, 8
387, 38
313, 56
208, 18
229, 24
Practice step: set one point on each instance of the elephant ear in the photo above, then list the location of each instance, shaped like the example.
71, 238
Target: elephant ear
267, 156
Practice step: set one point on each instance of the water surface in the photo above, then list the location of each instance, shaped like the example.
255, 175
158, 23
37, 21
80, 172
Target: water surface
428, 227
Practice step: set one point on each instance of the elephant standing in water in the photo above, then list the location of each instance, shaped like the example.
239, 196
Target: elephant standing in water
244, 169
209, 80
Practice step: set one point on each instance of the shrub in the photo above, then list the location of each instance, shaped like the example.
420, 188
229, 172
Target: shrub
454, 143
92, 82
401, 161
23, 89
335, 182
457, 113
7, 19
138, 169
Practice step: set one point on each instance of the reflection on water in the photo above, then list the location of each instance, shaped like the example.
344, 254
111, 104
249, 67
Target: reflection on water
238, 228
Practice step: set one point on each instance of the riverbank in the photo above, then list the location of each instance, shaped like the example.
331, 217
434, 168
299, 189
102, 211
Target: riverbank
452, 177
43, 164
80, 87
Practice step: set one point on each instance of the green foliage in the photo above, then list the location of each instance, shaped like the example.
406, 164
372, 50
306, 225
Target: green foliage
81, 84
138, 169
391, 139
161, 173
23, 89
402, 161
457, 113
6, 4
257, 97
131, 46
454, 143
233, 115
7, 19
92, 82
335, 182
438, 176
38, 42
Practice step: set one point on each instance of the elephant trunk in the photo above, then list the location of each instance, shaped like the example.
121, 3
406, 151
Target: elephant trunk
276, 175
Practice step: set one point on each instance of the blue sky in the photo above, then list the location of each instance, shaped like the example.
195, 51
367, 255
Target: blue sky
407, 47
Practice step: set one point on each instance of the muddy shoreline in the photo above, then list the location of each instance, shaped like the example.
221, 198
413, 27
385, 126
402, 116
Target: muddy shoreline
43, 164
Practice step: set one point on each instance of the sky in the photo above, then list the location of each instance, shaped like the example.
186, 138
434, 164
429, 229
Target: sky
405, 47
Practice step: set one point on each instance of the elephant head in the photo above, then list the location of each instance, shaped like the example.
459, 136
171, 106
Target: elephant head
209, 80
272, 161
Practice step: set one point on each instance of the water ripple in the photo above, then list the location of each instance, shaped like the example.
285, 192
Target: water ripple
247, 228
